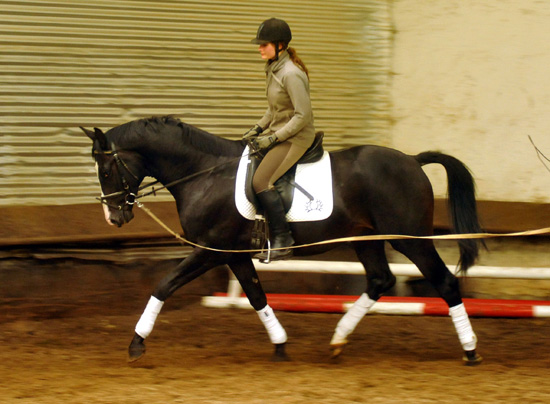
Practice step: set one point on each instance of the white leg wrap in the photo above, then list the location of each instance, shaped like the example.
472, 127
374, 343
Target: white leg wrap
277, 333
463, 327
347, 324
147, 320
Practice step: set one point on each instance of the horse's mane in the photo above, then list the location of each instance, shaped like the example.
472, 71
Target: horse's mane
176, 135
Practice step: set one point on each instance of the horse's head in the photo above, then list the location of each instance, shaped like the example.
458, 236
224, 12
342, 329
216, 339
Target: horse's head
120, 175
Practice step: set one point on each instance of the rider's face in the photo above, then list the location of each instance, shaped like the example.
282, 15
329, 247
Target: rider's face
267, 51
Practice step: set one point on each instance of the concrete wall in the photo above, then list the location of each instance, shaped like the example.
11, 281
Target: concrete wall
472, 79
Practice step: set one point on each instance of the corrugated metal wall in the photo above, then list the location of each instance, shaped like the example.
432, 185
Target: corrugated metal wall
67, 63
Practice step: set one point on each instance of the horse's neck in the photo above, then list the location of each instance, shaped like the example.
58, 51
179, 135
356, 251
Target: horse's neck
183, 161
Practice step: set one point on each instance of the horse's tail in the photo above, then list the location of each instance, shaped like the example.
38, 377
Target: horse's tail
461, 202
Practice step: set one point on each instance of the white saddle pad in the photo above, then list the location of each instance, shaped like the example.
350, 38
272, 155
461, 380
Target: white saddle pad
315, 178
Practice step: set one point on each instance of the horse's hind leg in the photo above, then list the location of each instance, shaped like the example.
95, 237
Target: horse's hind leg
379, 280
244, 271
424, 255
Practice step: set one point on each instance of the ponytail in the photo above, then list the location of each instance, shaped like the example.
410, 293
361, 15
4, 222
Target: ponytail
297, 61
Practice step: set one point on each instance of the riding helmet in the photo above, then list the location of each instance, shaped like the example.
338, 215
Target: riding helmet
273, 30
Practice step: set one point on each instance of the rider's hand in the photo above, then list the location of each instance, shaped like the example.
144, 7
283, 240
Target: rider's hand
266, 142
253, 132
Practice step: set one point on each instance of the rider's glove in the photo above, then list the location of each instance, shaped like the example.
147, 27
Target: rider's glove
253, 132
266, 142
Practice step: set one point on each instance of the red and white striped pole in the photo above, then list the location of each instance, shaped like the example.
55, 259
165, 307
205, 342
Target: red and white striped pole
431, 306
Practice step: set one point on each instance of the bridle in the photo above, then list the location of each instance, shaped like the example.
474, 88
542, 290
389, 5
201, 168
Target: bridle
129, 197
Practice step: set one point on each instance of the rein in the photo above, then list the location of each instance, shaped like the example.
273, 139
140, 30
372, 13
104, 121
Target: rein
186, 178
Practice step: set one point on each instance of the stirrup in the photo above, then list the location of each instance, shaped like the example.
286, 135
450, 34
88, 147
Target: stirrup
270, 255
265, 255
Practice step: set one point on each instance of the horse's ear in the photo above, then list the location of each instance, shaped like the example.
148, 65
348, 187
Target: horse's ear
102, 139
97, 136
88, 133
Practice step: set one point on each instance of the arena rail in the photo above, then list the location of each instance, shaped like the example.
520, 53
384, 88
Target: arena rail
388, 304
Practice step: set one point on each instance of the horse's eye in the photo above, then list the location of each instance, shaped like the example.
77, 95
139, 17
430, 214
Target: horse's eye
103, 170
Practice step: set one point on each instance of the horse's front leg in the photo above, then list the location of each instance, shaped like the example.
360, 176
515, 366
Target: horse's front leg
190, 268
244, 271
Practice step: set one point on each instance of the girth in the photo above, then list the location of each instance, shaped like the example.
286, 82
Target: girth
284, 185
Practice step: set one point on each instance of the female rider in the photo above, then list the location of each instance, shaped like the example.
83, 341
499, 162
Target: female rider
286, 130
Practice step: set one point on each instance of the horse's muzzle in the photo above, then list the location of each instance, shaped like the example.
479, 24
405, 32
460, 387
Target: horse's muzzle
120, 217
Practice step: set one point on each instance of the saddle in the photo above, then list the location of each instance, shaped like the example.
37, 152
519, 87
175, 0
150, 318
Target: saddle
284, 185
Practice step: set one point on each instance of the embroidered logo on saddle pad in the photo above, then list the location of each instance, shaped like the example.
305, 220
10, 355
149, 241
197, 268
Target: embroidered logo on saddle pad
314, 178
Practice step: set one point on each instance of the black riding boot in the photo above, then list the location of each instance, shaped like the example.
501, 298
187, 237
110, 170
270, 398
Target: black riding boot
279, 230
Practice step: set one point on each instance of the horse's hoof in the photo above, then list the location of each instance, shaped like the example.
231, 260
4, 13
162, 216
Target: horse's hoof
471, 358
136, 349
279, 355
337, 349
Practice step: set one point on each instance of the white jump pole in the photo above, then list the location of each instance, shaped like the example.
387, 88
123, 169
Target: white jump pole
356, 268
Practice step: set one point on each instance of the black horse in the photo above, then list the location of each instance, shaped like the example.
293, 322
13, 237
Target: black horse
377, 190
